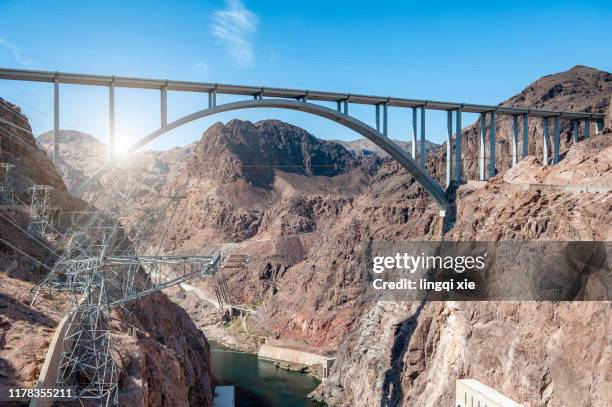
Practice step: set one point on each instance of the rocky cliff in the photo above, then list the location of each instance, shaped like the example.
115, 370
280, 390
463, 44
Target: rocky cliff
540, 354
305, 211
166, 363
581, 89
307, 246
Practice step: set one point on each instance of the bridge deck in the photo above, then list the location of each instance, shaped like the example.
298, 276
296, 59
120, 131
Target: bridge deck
142, 83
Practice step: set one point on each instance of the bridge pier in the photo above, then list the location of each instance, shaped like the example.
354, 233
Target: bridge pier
514, 140
525, 135
458, 136
212, 99
56, 126
111, 120
377, 107
449, 147
556, 140
546, 136
483, 137
587, 128
492, 145
575, 132
414, 133
164, 106
600, 126
385, 121
422, 157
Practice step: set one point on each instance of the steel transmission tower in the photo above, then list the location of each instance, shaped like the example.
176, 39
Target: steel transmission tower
6, 190
100, 268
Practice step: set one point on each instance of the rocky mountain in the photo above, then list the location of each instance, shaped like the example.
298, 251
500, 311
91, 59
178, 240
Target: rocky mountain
304, 212
156, 366
538, 353
580, 89
307, 241
366, 147
81, 155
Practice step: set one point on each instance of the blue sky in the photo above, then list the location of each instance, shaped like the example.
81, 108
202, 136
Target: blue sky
480, 52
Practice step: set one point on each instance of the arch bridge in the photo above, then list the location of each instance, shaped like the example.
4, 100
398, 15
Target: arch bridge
305, 100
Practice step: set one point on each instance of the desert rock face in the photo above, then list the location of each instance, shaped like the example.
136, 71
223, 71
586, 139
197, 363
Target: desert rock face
580, 89
538, 353
167, 363
306, 211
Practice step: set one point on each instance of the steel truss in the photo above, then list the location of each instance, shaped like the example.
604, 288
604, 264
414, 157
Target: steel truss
101, 267
6, 186
40, 214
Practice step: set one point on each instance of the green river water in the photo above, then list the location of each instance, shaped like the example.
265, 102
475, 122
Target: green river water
259, 383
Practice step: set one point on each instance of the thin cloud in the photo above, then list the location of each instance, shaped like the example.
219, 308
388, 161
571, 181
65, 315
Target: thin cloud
233, 27
15, 52
200, 66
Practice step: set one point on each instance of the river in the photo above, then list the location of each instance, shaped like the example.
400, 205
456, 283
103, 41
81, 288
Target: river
259, 383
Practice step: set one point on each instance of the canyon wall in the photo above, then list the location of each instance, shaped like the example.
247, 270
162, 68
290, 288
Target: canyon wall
166, 363
305, 212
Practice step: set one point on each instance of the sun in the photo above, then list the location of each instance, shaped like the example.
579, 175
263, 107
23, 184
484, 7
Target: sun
121, 145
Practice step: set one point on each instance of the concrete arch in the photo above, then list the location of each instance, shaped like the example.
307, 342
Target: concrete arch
395, 151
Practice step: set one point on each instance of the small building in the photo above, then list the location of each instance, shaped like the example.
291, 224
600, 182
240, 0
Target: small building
472, 393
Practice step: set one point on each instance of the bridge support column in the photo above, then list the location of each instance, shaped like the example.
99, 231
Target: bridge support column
164, 107
422, 157
575, 133
514, 140
339, 105
483, 138
449, 147
600, 126
345, 106
458, 136
492, 145
414, 133
525, 135
556, 140
56, 126
111, 120
385, 120
546, 140
587, 128
212, 99
377, 118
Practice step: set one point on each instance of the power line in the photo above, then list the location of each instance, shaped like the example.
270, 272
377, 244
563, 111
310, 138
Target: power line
25, 254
